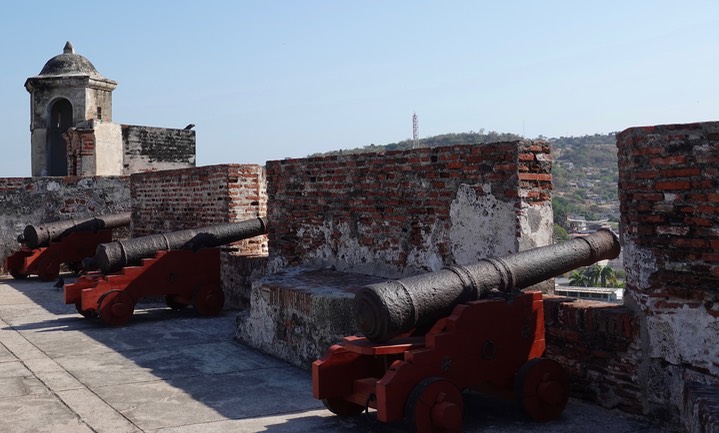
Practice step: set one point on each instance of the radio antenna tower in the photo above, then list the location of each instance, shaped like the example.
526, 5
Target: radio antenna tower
415, 131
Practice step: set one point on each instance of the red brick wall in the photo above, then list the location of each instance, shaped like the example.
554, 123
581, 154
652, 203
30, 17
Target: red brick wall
597, 343
669, 193
392, 213
164, 201
670, 207
80, 152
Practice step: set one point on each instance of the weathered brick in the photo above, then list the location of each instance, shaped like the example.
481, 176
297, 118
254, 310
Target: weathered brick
415, 194
689, 243
711, 257
668, 160
698, 221
673, 185
173, 200
672, 230
682, 172
681, 254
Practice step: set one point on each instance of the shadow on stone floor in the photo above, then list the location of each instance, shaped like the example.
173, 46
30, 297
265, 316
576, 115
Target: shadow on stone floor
139, 368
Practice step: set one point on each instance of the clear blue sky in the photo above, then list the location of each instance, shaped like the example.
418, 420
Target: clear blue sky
267, 79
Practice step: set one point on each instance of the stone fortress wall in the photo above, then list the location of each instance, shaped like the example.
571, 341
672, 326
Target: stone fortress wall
37, 200
338, 222
361, 218
401, 213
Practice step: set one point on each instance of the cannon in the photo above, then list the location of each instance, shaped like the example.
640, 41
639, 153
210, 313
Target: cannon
429, 337
44, 247
388, 309
182, 266
43, 234
111, 257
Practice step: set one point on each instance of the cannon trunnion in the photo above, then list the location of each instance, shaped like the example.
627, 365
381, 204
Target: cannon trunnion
474, 331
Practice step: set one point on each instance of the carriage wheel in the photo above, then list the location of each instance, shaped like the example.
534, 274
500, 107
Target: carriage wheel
115, 307
48, 270
89, 314
542, 389
171, 301
18, 274
435, 405
341, 407
208, 300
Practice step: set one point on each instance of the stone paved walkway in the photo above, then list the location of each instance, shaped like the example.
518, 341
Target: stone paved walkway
172, 372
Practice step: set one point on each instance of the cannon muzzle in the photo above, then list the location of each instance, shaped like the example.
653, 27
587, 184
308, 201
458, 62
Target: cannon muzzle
41, 235
385, 310
113, 256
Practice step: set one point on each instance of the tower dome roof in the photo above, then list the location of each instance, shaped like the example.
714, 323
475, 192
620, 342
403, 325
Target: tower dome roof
69, 63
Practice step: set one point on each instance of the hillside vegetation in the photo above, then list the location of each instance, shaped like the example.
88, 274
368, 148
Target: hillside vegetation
584, 171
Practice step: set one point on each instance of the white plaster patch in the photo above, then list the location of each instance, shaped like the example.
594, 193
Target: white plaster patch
536, 225
345, 253
426, 257
639, 263
341, 249
685, 335
481, 226
108, 149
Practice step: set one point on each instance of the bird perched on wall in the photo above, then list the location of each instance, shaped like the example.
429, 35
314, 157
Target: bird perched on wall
190, 126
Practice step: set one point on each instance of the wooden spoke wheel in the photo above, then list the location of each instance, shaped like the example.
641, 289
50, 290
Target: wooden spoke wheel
542, 389
48, 270
89, 314
208, 300
341, 407
435, 405
115, 307
172, 302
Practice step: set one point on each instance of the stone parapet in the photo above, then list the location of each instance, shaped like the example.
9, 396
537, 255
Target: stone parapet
297, 314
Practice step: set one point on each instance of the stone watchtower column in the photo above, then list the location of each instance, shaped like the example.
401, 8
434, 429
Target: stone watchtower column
68, 92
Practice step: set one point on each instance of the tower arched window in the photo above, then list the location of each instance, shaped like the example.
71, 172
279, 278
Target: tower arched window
60, 121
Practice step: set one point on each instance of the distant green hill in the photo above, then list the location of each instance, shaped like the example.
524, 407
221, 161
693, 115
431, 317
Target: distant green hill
585, 174
450, 139
585, 169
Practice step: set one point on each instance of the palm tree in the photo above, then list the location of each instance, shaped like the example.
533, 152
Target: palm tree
592, 274
577, 278
608, 277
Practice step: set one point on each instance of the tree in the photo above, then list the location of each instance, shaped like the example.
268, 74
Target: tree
577, 279
594, 276
591, 274
560, 209
607, 277
560, 234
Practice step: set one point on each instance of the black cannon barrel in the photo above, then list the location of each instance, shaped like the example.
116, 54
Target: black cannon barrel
41, 235
384, 310
113, 256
